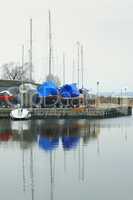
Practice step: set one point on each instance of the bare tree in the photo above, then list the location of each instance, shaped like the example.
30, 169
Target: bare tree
13, 71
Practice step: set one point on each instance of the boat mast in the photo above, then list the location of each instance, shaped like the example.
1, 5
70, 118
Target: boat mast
73, 66
78, 49
30, 50
22, 80
82, 66
50, 44
64, 69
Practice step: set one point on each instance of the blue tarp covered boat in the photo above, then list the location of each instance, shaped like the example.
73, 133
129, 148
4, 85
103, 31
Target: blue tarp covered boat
69, 90
48, 88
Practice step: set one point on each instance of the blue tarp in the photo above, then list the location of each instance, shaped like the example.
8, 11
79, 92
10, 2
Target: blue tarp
48, 144
69, 90
70, 142
48, 88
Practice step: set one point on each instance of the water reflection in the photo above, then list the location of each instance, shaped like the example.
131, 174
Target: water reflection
67, 132
70, 142
58, 154
48, 135
47, 143
21, 132
5, 132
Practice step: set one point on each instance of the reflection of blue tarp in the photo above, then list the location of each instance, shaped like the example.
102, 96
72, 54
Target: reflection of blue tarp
70, 142
48, 143
48, 88
69, 90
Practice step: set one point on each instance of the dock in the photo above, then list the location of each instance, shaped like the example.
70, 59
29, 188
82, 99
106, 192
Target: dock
100, 112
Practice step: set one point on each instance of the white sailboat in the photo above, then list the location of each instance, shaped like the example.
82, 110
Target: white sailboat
21, 113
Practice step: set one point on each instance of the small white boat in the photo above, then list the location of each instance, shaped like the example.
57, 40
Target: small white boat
20, 114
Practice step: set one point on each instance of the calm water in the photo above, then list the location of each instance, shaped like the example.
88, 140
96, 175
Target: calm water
66, 159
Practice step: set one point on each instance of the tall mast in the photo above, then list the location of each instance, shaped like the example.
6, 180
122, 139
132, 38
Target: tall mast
73, 66
30, 50
22, 80
78, 49
82, 65
64, 69
50, 44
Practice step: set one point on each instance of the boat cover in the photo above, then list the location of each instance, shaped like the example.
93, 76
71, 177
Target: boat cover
69, 90
48, 88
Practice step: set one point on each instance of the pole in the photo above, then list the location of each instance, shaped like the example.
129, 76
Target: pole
22, 81
125, 92
73, 70
22, 64
78, 46
97, 101
64, 69
97, 88
126, 98
30, 50
121, 102
50, 46
82, 65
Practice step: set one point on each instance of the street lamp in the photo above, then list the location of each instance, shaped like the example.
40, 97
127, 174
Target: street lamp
126, 97
125, 91
97, 88
97, 96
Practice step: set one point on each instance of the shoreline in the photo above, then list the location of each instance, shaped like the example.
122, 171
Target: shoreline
77, 113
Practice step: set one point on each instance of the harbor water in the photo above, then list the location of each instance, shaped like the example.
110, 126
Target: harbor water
66, 159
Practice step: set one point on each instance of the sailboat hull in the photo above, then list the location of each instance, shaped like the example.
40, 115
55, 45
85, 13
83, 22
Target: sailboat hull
20, 114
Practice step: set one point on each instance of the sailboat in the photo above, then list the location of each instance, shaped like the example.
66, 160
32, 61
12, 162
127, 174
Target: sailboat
21, 113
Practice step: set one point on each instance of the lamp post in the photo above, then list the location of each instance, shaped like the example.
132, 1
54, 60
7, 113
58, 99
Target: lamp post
125, 91
97, 96
121, 102
126, 98
97, 88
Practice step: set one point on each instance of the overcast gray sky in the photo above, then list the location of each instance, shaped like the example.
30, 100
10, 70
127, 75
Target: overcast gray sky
104, 27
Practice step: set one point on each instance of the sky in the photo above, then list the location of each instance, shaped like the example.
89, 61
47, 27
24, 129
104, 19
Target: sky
103, 27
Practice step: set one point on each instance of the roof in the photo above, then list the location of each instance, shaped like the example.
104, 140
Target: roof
10, 83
